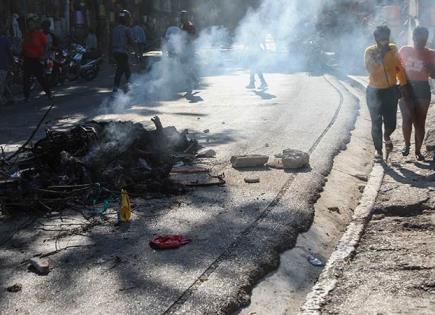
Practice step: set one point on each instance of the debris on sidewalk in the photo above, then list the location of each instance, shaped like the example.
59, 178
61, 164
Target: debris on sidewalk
169, 242
206, 153
252, 180
41, 266
294, 159
125, 211
315, 261
247, 161
15, 288
66, 164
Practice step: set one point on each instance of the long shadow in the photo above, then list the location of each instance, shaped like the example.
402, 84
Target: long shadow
264, 95
408, 177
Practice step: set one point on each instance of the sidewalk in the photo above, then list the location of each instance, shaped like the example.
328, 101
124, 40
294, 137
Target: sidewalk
393, 268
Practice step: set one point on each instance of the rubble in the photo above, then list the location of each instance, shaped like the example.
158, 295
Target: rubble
15, 288
294, 159
252, 180
246, 161
41, 266
79, 162
206, 153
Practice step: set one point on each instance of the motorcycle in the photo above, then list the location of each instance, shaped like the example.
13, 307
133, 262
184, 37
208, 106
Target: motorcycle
82, 66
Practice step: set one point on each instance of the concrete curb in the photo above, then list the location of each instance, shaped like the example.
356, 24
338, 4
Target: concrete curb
349, 241
347, 245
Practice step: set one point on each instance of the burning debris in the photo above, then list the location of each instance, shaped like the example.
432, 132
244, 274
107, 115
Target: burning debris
93, 158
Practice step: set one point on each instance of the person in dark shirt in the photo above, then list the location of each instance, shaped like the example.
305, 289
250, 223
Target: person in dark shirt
121, 39
5, 63
188, 55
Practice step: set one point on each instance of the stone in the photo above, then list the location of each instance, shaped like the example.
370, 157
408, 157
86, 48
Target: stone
252, 180
246, 161
430, 140
206, 153
15, 288
42, 266
207, 131
294, 159
334, 209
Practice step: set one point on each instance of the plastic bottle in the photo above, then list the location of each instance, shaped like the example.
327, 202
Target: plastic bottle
125, 211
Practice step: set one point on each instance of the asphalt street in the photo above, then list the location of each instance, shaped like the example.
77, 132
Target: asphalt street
238, 230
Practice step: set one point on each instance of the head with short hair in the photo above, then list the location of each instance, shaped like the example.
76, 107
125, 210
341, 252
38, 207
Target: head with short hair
420, 36
382, 35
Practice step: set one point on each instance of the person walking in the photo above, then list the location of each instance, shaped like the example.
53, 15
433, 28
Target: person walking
140, 40
419, 63
256, 48
385, 70
34, 49
5, 63
188, 54
121, 39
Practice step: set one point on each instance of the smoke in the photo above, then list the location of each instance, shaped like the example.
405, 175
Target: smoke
274, 36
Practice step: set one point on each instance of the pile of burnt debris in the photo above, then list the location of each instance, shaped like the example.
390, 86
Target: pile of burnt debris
93, 158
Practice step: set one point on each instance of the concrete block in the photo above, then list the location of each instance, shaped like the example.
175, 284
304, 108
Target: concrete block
245, 161
42, 266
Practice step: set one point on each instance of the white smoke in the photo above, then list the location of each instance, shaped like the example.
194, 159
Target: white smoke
278, 35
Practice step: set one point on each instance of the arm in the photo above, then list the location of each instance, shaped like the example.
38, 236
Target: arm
370, 61
400, 70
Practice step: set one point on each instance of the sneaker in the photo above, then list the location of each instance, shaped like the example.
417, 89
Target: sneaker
405, 151
251, 86
379, 156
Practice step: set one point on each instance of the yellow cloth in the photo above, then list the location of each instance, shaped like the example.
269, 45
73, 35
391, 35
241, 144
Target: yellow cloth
380, 77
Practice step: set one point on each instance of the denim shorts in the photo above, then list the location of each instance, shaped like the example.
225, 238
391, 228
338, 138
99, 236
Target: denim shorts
420, 90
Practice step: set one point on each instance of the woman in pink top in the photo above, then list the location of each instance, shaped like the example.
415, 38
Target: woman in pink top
419, 63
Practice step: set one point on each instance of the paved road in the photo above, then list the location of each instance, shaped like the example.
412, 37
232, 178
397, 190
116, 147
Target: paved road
237, 230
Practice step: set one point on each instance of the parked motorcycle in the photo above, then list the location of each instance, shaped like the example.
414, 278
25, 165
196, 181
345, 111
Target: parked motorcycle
80, 65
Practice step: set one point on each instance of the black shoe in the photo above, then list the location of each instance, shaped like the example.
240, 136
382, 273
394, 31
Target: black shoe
420, 157
405, 151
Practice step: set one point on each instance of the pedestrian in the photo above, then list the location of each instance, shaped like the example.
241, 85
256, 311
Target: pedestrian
91, 45
188, 54
34, 49
139, 39
419, 63
255, 46
385, 70
121, 39
173, 39
5, 63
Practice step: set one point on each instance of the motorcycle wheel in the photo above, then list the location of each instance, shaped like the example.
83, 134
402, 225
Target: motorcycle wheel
90, 75
73, 74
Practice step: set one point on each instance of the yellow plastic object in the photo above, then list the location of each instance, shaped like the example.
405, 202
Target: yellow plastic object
125, 213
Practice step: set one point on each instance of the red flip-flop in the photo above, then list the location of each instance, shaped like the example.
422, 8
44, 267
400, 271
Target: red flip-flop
169, 241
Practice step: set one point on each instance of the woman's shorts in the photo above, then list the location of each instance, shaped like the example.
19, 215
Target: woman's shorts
420, 90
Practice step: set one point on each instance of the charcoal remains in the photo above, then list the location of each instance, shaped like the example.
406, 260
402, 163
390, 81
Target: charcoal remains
70, 163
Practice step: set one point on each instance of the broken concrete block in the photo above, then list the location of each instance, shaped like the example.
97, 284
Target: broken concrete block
245, 161
430, 140
275, 163
41, 265
206, 153
293, 159
252, 180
